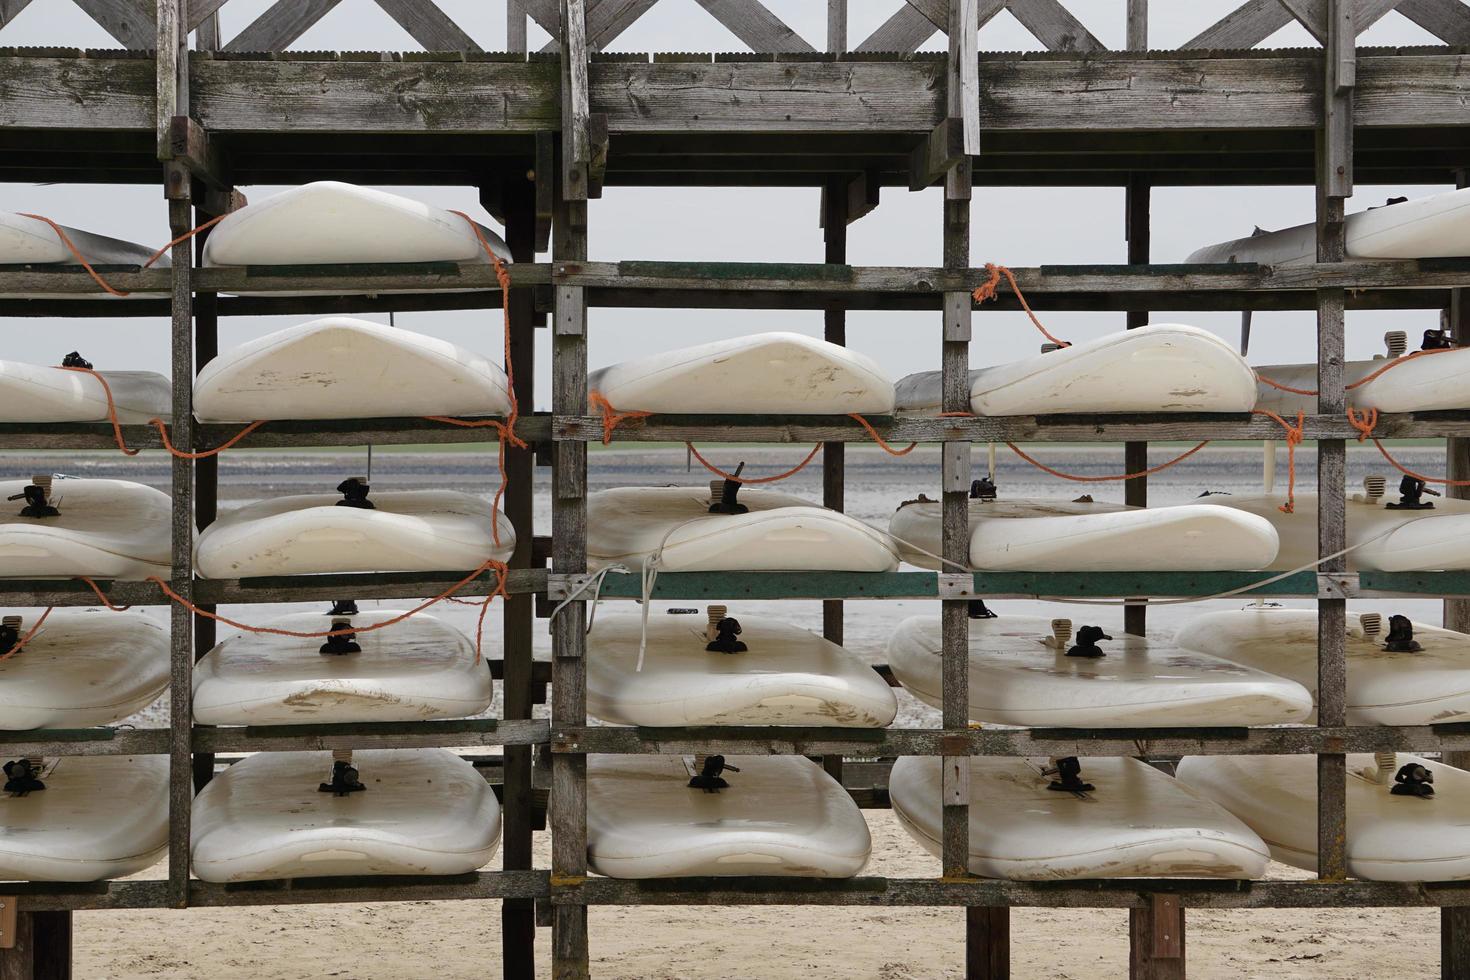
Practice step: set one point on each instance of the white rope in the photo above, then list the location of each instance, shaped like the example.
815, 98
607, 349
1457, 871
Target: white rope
594, 583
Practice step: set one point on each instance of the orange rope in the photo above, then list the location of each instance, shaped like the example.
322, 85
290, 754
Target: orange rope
611, 417
204, 453
873, 434
1281, 387
27, 638
1365, 424
751, 479
77, 254
986, 291
157, 423
102, 596
1106, 479
1393, 362
184, 238
1293, 439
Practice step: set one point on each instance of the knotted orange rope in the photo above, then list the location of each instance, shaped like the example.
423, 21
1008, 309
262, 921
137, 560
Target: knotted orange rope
1293, 439
1365, 424
611, 417
27, 638
986, 290
753, 479
1106, 479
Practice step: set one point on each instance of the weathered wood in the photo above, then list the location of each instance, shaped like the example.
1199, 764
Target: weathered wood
189, 144
962, 97
606, 19
836, 25
754, 24
1156, 939
1137, 25
200, 14
167, 92
407, 734
576, 147
1457, 451
1448, 20
1138, 233
427, 23
937, 153
1053, 25
836, 215
85, 741
10, 9
280, 25
1244, 27
130, 22
1454, 943
1311, 14
515, 27
380, 585
903, 32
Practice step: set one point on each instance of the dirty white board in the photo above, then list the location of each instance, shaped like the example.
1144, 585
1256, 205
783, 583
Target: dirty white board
84, 667
40, 393
106, 529
1163, 367
101, 816
760, 374
1382, 539
781, 815
1430, 687
781, 533
344, 368
26, 241
1440, 382
418, 669
786, 676
329, 223
424, 812
1090, 536
1136, 823
1437, 226
1019, 676
1389, 838
406, 531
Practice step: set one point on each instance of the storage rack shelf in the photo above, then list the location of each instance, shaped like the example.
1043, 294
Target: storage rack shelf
850, 123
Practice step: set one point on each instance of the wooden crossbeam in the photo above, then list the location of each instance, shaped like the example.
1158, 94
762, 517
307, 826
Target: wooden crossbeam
1311, 14
1448, 20
1244, 27
934, 11
190, 145
860, 195
130, 22
281, 24
429, 25
1370, 12
754, 24
547, 15
903, 32
606, 19
937, 154
10, 9
1053, 25
200, 11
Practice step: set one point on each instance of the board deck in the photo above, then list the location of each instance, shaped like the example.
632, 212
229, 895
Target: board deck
629, 525
1089, 536
1137, 823
757, 374
415, 670
84, 667
407, 531
345, 368
787, 676
782, 816
424, 812
101, 816
40, 393
106, 529
1389, 838
1016, 678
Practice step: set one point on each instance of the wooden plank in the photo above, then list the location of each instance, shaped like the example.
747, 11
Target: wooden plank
427, 23
1138, 233
903, 32
1448, 20
1053, 25
1137, 28
1244, 27
547, 15
962, 98
576, 147
199, 13
938, 153
1156, 939
754, 24
190, 145
280, 25
10, 9
607, 19
1366, 13
836, 25
130, 22
1342, 55
515, 27
1457, 451
167, 92
1454, 943
1311, 14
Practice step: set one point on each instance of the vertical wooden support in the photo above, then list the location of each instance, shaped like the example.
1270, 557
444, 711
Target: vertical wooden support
576, 150
41, 949
1137, 39
1457, 457
515, 27
1135, 454
518, 916
1334, 183
836, 25
1156, 939
206, 474
834, 454
1454, 943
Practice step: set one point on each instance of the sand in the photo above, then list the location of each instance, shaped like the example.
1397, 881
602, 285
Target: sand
450, 940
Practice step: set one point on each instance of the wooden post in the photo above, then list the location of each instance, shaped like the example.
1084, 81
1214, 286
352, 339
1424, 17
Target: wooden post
1334, 184
1457, 457
836, 25
206, 474
834, 454
515, 27
1136, 229
1156, 939
42, 947
518, 916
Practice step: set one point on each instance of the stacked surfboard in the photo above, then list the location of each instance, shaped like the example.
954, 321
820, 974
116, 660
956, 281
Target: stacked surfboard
28, 241
62, 527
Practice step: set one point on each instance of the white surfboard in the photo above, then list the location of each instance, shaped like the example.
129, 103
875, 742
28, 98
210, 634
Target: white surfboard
406, 531
761, 374
1021, 675
781, 815
85, 667
1428, 687
101, 816
1437, 226
1163, 367
414, 670
1382, 539
781, 533
786, 676
328, 223
26, 241
1136, 822
105, 529
344, 368
1389, 838
1089, 536
1440, 382
40, 393
423, 812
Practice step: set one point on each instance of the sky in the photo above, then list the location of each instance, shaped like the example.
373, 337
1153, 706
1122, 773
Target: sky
1016, 226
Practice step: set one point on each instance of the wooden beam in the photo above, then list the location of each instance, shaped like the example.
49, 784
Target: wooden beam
189, 144
200, 11
131, 22
597, 146
903, 32
1368, 12
1448, 20
1311, 14
962, 96
1156, 939
10, 9
1137, 29
544, 176
606, 19
280, 25
836, 25
1053, 25
166, 81
1244, 27
427, 23
756, 26
576, 151
937, 154
515, 27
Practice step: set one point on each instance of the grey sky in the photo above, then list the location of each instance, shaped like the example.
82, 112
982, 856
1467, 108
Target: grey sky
1017, 226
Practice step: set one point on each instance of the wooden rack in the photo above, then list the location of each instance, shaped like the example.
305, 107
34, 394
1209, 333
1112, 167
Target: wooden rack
541, 133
